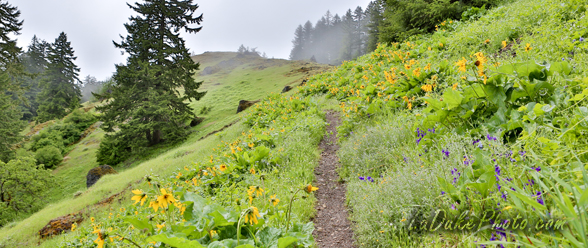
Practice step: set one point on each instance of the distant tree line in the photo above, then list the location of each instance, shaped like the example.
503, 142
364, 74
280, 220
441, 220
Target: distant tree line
334, 39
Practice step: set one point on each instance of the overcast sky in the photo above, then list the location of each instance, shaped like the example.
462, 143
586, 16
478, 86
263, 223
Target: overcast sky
92, 25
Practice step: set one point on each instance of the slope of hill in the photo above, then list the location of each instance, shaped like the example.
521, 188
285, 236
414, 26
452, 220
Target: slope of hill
249, 78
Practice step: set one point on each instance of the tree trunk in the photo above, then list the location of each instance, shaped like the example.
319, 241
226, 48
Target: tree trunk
156, 137
148, 136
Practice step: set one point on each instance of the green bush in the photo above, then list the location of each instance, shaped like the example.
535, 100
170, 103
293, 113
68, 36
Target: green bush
112, 150
47, 138
82, 120
69, 132
50, 156
23, 186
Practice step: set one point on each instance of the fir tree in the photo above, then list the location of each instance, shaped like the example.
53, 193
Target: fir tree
348, 26
35, 63
10, 68
298, 42
60, 86
147, 105
375, 16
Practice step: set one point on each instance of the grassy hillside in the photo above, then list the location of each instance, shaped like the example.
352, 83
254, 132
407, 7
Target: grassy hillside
252, 78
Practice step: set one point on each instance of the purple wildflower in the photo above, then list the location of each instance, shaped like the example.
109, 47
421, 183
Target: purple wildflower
539, 198
446, 152
497, 170
476, 142
480, 146
362, 178
442, 192
490, 138
538, 168
370, 179
504, 195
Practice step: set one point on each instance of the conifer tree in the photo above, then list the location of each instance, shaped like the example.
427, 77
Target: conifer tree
35, 63
298, 42
60, 86
10, 68
307, 49
374, 13
147, 104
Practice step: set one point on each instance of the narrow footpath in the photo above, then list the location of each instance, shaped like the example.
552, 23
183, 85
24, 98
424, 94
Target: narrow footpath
332, 226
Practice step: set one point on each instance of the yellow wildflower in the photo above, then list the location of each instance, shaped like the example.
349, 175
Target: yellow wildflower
309, 188
528, 47
274, 200
154, 205
165, 198
416, 72
504, 44
462, 64
251, 216
223, 167
454, 86
255, 189
427, 88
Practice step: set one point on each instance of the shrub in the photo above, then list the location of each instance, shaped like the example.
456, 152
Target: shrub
112, 150
48, 138
69, 132
82, 120
23, 185
50, 156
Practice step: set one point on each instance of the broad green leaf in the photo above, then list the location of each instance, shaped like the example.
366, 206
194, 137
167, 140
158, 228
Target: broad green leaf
452, 98
560, 67
139, 224
219, 219
269, 236
286, 241
171, 240
434, 103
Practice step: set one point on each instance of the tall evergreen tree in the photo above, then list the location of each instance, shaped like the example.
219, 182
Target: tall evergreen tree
375, 14
60, 86
349, 37
298, 42
35, 63
146, 103
318, 40
10, 68
359, 34
307, 49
